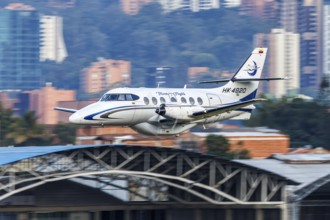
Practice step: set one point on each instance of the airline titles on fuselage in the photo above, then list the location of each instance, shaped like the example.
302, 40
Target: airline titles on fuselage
171, 93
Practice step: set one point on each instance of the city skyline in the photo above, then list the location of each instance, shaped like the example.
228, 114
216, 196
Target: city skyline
311, 59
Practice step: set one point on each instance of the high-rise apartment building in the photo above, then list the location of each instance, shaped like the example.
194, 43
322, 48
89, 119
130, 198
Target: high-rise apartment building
191, 5
305, 17
19, 48
52, 41
326, 39
260, 8
310, 30
132, 7
289, 15
230, 3
282, 61
104, 74
161, 76
61, 3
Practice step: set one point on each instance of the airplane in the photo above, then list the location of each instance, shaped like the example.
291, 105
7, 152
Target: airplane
171, 111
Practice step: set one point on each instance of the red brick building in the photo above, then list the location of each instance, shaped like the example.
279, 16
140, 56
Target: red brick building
43, 102
259, 143
102, 75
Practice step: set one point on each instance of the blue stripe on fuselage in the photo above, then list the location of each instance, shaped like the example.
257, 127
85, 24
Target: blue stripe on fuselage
90, 117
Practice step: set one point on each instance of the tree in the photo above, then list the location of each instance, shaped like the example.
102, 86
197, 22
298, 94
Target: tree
6, 119
324, 94
64, 133
25, 131
217, 145
306, 122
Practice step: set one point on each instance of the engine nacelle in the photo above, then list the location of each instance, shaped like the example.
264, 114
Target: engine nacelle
181, 113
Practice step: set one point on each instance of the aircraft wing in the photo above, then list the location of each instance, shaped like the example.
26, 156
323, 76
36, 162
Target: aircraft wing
66, 109
223, 108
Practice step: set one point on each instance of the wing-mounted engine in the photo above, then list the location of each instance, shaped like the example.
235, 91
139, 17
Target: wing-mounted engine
168, 120
179, 113
161, 110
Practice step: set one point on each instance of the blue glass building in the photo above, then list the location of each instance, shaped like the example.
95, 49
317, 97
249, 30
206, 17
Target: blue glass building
19, 49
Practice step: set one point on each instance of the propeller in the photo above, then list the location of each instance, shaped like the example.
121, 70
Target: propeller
161, 110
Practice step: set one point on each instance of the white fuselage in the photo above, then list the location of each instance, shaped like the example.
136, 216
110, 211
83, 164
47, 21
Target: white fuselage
136, 108
166, 111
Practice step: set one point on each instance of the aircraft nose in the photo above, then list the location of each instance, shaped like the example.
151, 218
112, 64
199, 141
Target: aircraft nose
75, 118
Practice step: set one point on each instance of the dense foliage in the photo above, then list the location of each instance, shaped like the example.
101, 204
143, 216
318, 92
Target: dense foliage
219, 145
214, 38
25, 131
306, 122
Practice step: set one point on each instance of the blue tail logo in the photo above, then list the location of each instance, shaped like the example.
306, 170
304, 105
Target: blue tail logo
253, 70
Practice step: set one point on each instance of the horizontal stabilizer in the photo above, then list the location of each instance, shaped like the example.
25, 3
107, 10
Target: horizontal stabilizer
224, 108
65, 109
243, 80
258, 79
214, 81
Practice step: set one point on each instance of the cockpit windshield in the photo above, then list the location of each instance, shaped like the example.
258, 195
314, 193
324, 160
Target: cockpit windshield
119, 97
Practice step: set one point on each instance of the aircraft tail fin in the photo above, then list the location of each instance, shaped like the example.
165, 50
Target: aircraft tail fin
250, 70
244, 84
252, 67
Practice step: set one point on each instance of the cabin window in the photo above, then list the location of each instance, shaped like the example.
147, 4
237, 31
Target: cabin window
119, 97
192, 100
162, 100
200, 101
183, 100
173, 99
154, 100
135, 97
129, 97
146, 100
109, 97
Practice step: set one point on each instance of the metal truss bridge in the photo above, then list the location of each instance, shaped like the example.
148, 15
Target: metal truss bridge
151, 174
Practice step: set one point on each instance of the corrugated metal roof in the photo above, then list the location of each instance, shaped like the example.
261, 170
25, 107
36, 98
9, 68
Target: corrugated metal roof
300, 173
238, 134
307, 158
13, 154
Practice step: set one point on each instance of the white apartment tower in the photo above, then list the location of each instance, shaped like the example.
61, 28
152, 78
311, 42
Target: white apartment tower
231, 3
52, 41
283, 61
192, 5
